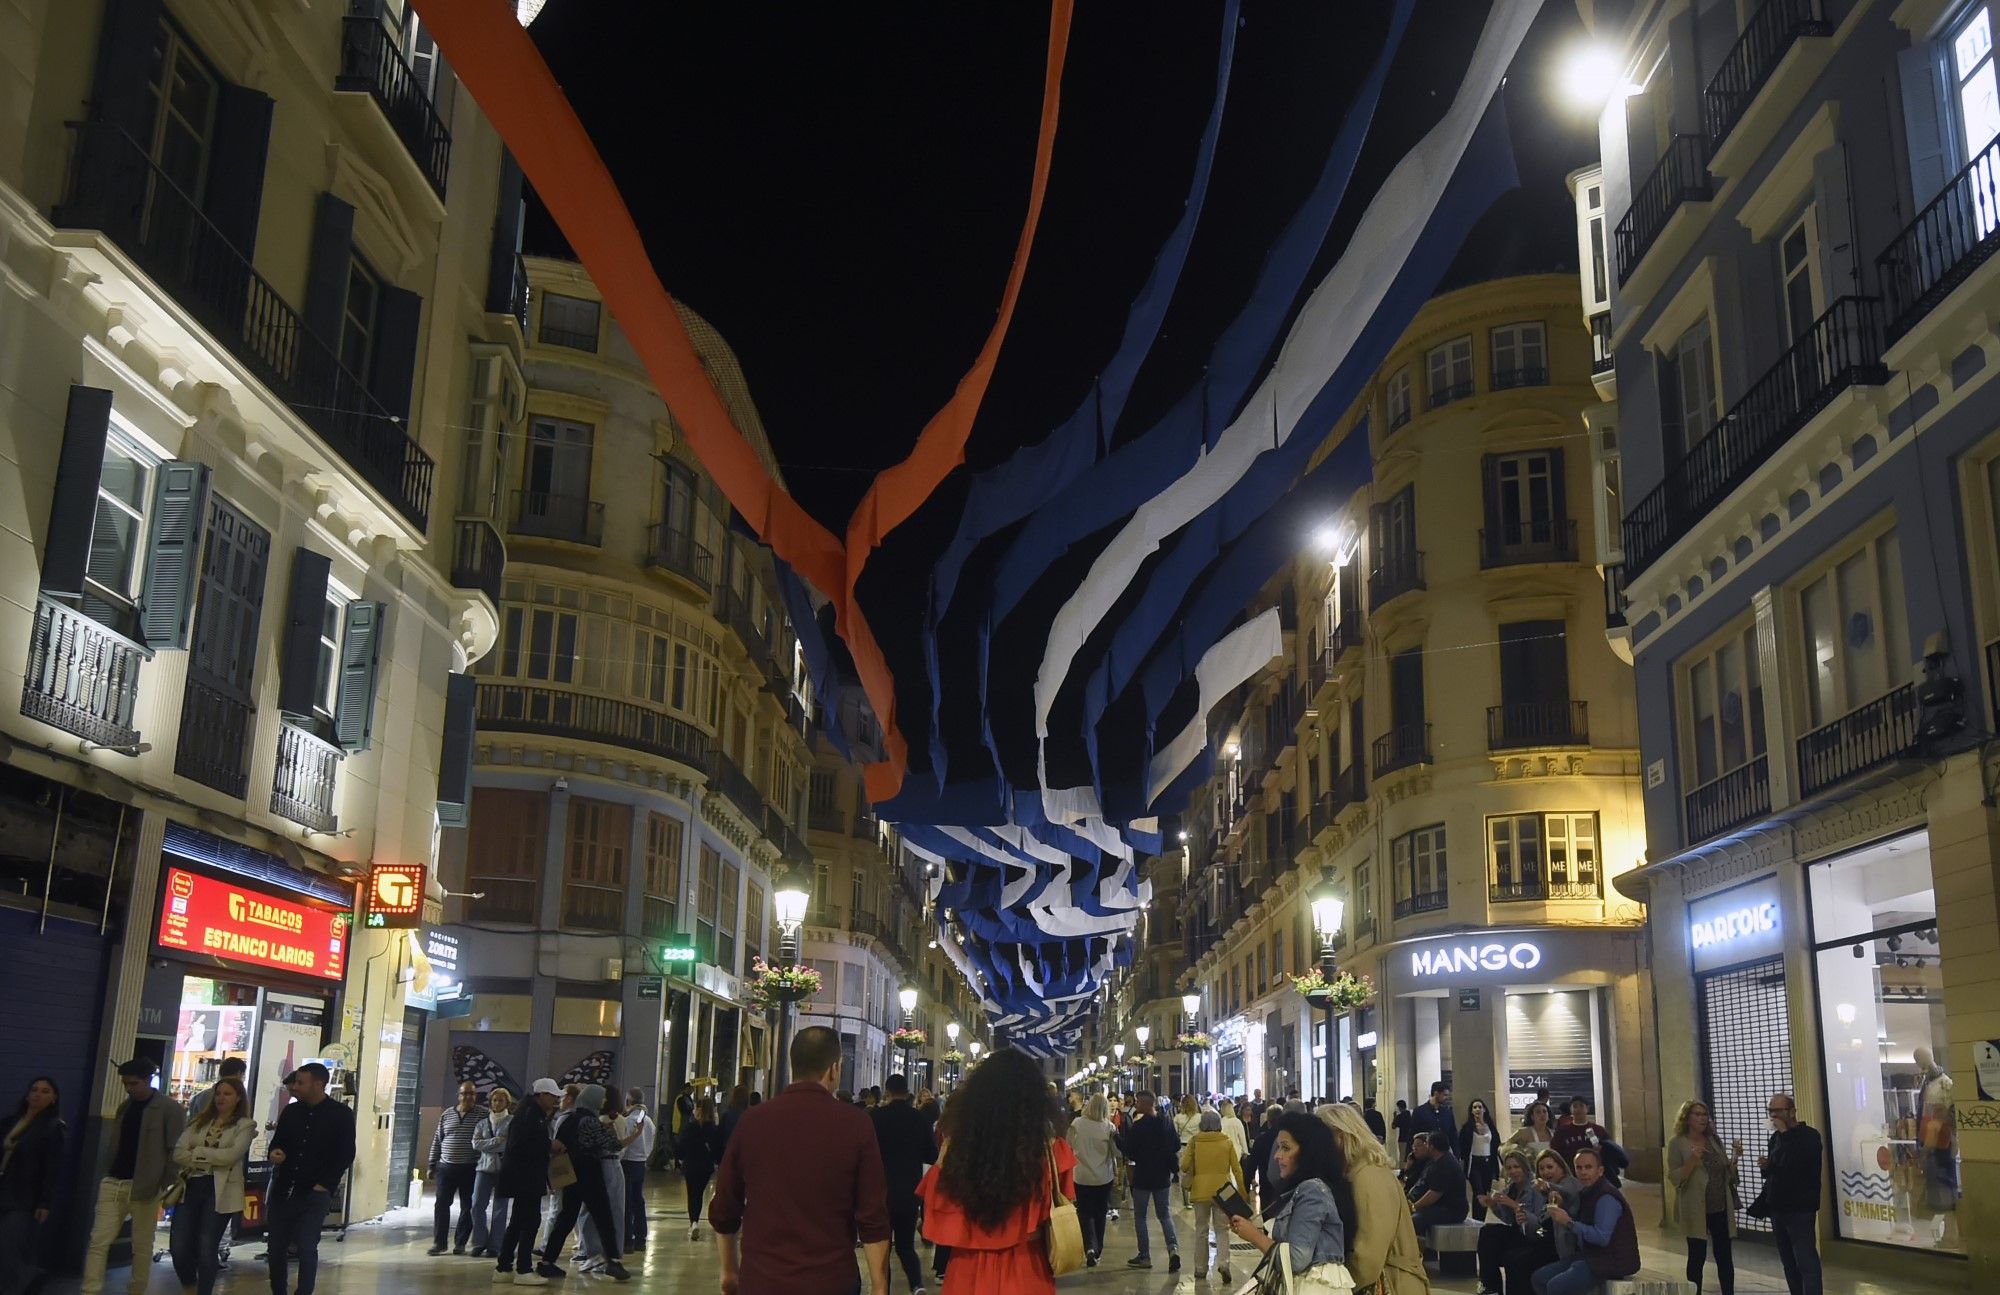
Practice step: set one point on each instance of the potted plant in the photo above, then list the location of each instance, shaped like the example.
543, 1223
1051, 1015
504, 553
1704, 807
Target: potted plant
769, 984
909, 1039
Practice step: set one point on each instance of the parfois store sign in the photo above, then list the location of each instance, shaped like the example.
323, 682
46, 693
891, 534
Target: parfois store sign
1743, 924
205, 916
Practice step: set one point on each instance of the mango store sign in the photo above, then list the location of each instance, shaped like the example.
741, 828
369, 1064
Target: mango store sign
1744, 924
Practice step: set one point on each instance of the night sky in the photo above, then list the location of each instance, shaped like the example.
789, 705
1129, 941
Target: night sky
839, 190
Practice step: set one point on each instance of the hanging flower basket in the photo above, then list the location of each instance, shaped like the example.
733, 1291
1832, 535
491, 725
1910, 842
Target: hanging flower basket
1193, 1042
1343, 993
770, 985
909, 1039
953, 1058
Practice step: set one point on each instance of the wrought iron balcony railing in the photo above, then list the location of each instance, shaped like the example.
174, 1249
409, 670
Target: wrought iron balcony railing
478, 558
116, 187
1509, 379
553, 712
1512, 890
1397, 572
1842, 348
1867, 736
215, 735
550, 516
1401, 747
1424, 901
671, 549
1771, 31
308, 769
1950, 238
1447, 393
1537, 723
1735, 798
1516, 544
81, 677
372, 61
1680, 176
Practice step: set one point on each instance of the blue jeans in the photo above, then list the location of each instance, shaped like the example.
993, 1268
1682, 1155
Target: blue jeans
489, 1211
1566, 1277
1798, 1250
293, 1224
1161, 1200
195, 1238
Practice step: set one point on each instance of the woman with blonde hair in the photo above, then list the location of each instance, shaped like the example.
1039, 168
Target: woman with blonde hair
1383, 1245
211, 1153
1187, 1123
1700, 1191
1095, 1143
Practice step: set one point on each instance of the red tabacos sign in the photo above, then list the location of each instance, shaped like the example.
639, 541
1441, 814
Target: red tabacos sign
203, 915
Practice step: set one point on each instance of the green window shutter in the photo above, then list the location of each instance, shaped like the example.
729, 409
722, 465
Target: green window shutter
298, 650
326, 269
360, 657
234, 198
73, 509
461, 696
173, 553
398, 319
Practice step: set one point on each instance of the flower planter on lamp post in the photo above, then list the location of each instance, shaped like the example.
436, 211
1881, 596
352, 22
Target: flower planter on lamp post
909, 1038
1327, 909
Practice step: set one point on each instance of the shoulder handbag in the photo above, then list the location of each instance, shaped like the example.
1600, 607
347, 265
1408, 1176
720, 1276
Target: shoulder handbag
1062, 1235
1275, 1276
562, 1171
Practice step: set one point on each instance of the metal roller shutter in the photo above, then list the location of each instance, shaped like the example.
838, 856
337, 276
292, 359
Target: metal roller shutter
1746, 1053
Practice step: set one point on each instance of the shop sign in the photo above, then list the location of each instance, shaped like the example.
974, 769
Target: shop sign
1468, 1000
651, 986
1365, 1040
1455, 957
395, 896
1743, 924
203, 915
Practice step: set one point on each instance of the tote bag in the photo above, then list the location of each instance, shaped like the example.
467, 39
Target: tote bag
1063, 1233
1275, 1277
562, 1171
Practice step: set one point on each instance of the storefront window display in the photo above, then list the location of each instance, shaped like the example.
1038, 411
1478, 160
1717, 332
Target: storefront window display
1892, 1126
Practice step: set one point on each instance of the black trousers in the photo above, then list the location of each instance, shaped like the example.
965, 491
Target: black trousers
1499, 1244
291, 1227
1480, 1171
586, 1193
1725, 1254
1092, 1204
453, 1181
524, 1217
635, 1204
1520, 1265
697, 1185
903, 1226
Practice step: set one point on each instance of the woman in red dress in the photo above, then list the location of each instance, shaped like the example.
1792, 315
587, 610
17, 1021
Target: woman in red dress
989, 1193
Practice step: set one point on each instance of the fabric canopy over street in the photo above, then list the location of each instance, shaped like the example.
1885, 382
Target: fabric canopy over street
1089, 603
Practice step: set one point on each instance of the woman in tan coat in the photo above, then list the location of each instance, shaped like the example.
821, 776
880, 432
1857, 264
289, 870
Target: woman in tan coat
1383, 1248
1700, 1194
211, 1154
1208, 1163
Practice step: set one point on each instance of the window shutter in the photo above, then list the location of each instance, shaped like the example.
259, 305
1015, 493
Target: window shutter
506, 238
298, 651
121, 98
242, 137
360, 655
461, 695
397, 315
326, 272
1559, 485
173, 553
1667, 371
73, 508
1925, 123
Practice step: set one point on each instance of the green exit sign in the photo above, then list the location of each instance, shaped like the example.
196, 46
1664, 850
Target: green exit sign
677, 953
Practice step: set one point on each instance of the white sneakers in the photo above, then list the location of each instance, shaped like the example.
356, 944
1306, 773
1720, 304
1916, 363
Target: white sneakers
530, 1279
503, 1277
694, 1231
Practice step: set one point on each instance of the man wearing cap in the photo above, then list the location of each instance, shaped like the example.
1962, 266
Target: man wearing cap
590, 1144
312, 1149
524, 1180
141, 1167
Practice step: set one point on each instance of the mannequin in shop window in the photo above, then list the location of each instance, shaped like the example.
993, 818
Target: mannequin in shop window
1937, 1142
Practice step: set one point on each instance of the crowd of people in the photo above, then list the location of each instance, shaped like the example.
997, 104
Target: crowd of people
804, 1179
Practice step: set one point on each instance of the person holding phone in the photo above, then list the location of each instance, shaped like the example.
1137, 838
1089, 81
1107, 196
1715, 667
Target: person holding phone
1515, 1210
1701, 1193
1208, 1164
1318, 1214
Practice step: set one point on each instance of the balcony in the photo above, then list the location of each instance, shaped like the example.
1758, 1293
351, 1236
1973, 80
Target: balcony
1843, 348
509, 296
1771, 31
1601, 359
735, 785
1447, 393
114, 186
1426, 901
668, 548
1866, 737
824, 818
371, 61
478, 558
1681, 176
1513, 379
593, 908
1940, 249
1737, 797
82, 678
1615, 601
552, 712
1521, 725
1401, 747
215, 730
1364, 927
1531, 543
1396, 573
307, 771
546, 515
1516, 890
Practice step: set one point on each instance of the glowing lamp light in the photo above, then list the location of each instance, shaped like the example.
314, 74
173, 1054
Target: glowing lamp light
1144, 1032
951, 1032
1327, 539
908, 998
1327, 909
1101, 1059
788, 904
1590, 77
1190, 1003
975, 1048
1118, 1051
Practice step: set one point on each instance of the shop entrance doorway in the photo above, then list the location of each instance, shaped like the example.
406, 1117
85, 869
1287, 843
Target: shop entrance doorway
1746, 1053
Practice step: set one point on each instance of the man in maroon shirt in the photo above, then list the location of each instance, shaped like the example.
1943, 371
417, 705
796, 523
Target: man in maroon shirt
812, 1165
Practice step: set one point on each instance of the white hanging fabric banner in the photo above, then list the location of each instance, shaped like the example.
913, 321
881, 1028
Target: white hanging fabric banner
1242, 653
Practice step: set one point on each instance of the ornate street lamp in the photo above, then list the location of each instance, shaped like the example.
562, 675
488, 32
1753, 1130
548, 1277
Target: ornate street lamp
1190, 1006
788, 905
1118, 1051
951, 1067
1142, 1033
1327, 909
908, 998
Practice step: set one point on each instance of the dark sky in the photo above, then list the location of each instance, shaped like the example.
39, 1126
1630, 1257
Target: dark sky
839, 189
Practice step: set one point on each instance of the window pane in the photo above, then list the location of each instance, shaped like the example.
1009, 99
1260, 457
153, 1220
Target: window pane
1820, 616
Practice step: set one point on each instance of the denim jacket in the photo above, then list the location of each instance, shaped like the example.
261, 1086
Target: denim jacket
1311, 1226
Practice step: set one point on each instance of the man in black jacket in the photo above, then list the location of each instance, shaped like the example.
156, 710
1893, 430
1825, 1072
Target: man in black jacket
313, 1148
524, 1180
1791, 1168
1153, 1149
905, 1138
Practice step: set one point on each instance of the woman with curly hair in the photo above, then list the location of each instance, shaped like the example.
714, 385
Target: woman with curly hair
990, 1192
1317, 1216
1382, 1244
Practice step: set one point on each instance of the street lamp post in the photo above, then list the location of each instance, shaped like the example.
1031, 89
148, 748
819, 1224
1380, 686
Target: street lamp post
1327, 909
788, 905
1191, 1004
908, 998
1142, 1033
951, 1067
1118, 1051
975, 1048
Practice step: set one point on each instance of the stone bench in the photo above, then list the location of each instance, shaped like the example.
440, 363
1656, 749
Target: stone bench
1456, 1246
1644, 1285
